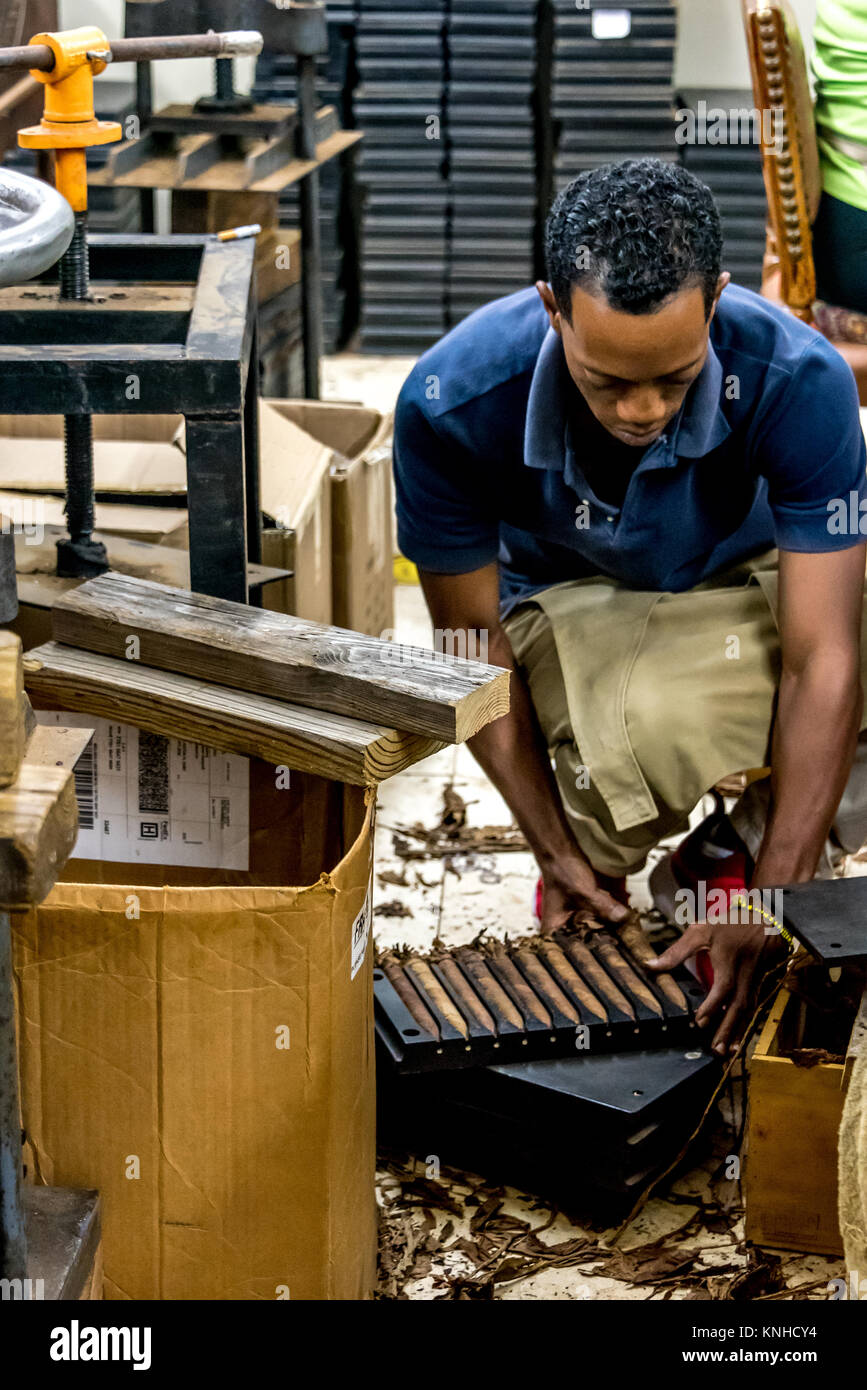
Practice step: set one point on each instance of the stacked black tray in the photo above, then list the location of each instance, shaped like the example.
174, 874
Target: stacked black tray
465, 1008
612, 91
491, 95
733, 172
574, 1129
340, 213
399, 106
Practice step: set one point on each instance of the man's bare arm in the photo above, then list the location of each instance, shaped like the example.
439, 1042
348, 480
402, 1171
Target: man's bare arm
819, 709
815, 732
513, 754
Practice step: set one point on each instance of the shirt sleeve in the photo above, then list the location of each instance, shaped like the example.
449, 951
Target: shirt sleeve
811, 450
444, 523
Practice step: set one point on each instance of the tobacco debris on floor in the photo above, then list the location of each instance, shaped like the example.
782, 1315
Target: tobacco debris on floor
451, 835
455, 1237
392, 909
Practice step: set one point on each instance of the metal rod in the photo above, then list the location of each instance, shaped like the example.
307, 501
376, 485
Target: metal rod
144, 92
13, 1240
237, 43
79, 556
311, 258
224, 80
144, 104
251, 445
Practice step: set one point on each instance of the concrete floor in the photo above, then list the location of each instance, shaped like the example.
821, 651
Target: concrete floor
430, 1226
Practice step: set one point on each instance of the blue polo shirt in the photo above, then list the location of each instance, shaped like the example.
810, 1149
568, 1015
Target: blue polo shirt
489, 465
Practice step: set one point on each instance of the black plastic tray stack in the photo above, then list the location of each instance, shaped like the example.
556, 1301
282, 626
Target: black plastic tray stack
491, 96
733, 172
550, 1015
340, 213
564, 1110
581, 1130
612, 98
399, 106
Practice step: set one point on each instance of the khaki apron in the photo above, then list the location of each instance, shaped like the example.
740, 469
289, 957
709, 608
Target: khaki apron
648, 699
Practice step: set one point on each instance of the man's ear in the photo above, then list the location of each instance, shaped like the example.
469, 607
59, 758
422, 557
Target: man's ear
721, 283
547, 298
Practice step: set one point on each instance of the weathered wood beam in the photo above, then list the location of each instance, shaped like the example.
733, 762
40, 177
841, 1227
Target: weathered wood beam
163, 702
16, 716
38, 829
325, 668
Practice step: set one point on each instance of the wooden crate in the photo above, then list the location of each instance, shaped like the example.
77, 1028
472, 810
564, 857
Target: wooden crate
790, 1170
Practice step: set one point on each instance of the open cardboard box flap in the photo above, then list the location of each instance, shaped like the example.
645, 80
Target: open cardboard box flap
145, 454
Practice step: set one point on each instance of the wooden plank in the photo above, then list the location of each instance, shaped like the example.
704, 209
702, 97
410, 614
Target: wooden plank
227, 175
13, 719
57, 745
306, 740
38, 828
170, 297
326, 668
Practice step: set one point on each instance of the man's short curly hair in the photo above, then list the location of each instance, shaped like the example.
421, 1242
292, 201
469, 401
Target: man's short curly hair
637, 232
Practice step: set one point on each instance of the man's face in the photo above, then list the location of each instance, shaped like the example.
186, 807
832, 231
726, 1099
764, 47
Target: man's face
634, 370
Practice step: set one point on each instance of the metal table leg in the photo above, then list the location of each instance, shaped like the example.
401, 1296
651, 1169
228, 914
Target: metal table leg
311, 256
217, 506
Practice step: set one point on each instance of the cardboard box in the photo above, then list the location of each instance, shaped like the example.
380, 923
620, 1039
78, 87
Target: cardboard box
142, 456
152, 525
202, 1054
362, 509
790, 1170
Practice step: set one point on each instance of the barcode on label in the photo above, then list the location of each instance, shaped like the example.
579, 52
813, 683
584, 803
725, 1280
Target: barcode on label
84, 773
153, 773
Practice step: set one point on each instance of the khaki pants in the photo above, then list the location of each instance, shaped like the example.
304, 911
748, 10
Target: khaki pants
647, 700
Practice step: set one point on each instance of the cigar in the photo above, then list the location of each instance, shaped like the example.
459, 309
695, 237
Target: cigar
490, 989
635, 941
589, 968
464, 994
513, 981
422, 972
402, 987
612, 958
546, 986
562, 970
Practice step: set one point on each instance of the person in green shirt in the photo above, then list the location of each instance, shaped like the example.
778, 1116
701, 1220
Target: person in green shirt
840, 230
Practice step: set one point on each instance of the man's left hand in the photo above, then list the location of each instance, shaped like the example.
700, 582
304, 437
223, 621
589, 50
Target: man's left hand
736, 951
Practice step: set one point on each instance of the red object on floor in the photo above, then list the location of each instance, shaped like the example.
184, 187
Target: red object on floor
704, 970
692, 868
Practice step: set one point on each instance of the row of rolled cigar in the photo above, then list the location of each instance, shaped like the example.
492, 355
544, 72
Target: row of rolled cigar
544, 983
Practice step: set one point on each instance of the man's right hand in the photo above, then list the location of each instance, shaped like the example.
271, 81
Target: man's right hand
573, 887
513, 753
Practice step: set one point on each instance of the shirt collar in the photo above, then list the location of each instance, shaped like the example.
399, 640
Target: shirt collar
702, 425
699, 426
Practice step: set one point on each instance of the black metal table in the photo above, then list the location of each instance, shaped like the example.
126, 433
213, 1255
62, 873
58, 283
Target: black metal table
113, 356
